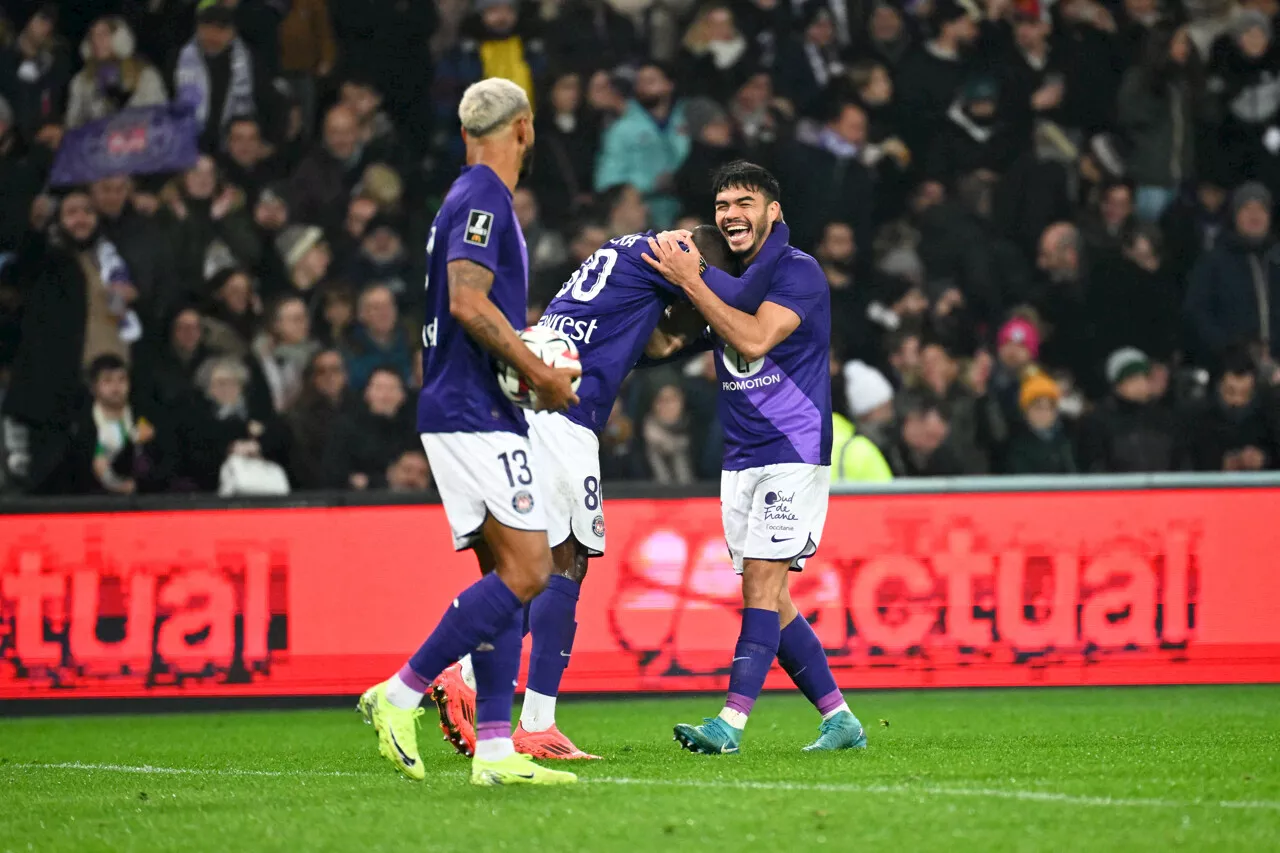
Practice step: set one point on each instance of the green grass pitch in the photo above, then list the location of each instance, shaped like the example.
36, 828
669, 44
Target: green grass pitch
992, 770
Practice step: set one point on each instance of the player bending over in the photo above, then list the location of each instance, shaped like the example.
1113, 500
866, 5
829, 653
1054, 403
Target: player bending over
476, 440
611, 308
775, 407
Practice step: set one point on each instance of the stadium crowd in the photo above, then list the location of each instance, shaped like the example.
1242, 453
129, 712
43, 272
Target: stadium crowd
1047, 227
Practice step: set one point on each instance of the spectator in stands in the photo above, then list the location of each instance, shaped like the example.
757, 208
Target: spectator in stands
246, 160
378, 340
647, 145
1031, 75
1232, 430
713, 146
809, 66
305, 257
113, 78
365, 443
546, 247
567, 141
1157, 107
34, 72
382, 259
824, 180
336, 315
307, 53
166, 367
888, 39
324, 179
1105, 228
972, 136
870, 400
667, 444
919, 449
202, 215
761, 121
625, 211
1135, 299
1194, 222
591, 34
716, 58
324, 397
142, 243
1233, 295
126, 454
284, 349
1040, 445
1241, 74
854, 454
223, 422
410, 472
939, 378
1062, 304
231, 321
1129, 432
218, 76
931, 75
376, 132
1017, 349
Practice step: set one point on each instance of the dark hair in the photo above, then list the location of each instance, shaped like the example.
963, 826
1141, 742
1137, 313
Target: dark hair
920, 404
611, 197
389, 370
741, 174
1236, 361
101, 364
714, 248
248, 118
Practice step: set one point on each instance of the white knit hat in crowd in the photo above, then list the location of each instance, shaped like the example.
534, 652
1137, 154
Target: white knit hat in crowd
866, 388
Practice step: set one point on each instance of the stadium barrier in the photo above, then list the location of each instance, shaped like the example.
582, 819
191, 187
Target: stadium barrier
963, 583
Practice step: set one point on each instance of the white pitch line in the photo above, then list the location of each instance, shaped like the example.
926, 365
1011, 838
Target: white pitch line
744, 785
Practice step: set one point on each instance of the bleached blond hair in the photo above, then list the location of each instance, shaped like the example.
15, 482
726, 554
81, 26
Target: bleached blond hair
490, 105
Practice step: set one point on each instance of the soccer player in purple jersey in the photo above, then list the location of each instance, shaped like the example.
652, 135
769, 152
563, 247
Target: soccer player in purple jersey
614, 308
775, 407
477, 442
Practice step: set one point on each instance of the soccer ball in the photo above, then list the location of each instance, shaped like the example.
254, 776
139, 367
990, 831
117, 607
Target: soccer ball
553, 347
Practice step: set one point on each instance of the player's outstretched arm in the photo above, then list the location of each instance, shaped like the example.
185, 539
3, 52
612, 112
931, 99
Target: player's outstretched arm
470, 305
752, 335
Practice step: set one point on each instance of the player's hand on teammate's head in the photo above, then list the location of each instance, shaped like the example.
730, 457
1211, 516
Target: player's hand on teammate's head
678, 261
554, 388
680, 234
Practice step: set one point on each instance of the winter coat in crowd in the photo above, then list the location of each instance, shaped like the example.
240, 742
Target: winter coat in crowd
1233, 297
1248, 88
311, 424
905, 462
1134, 307
206, 435
321, 187
34, 82
566, 163
1216, 430
144, 244
306, 38
1035, 452
191, 229
824, 185
102, 89
963, 143
364, 355
1157, 109
22, 178
219, 88
637, 150
1121, 436
588, 36
365, 443
926, 85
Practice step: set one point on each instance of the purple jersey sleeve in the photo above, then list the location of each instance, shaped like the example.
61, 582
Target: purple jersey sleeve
473, 236
799, 285
744, 294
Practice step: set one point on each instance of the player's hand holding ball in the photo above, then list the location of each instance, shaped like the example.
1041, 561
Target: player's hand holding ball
554, 388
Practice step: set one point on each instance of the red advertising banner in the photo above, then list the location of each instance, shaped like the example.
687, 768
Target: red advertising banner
906, 591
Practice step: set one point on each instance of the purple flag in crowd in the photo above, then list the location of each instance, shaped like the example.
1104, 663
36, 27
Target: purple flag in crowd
137, 141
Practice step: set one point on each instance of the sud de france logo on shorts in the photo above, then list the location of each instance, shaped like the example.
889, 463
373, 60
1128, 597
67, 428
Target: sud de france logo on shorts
522, 502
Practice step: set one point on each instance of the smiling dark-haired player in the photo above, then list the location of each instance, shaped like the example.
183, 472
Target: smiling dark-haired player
775, 408
612, 308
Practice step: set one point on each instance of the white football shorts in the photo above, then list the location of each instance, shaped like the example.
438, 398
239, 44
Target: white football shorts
775, 512
567, 456
485, 473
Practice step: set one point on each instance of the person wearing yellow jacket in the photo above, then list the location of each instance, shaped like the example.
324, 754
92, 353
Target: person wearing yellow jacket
855, 458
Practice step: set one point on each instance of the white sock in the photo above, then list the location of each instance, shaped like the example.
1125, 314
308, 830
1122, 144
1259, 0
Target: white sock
737, 719
402, 695
844, 706
538, 712
494, 748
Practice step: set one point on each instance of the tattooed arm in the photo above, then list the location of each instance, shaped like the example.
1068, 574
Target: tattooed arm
470, 305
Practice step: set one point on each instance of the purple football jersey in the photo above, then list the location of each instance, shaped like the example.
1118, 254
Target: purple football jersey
609, 308
778, 408
460, 390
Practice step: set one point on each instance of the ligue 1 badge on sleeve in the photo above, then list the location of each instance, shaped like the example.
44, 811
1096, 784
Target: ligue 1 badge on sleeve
479, 225
597, 526
523, 502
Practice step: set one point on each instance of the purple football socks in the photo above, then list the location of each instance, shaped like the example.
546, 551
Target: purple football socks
752, 657
801, 655
477, 615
